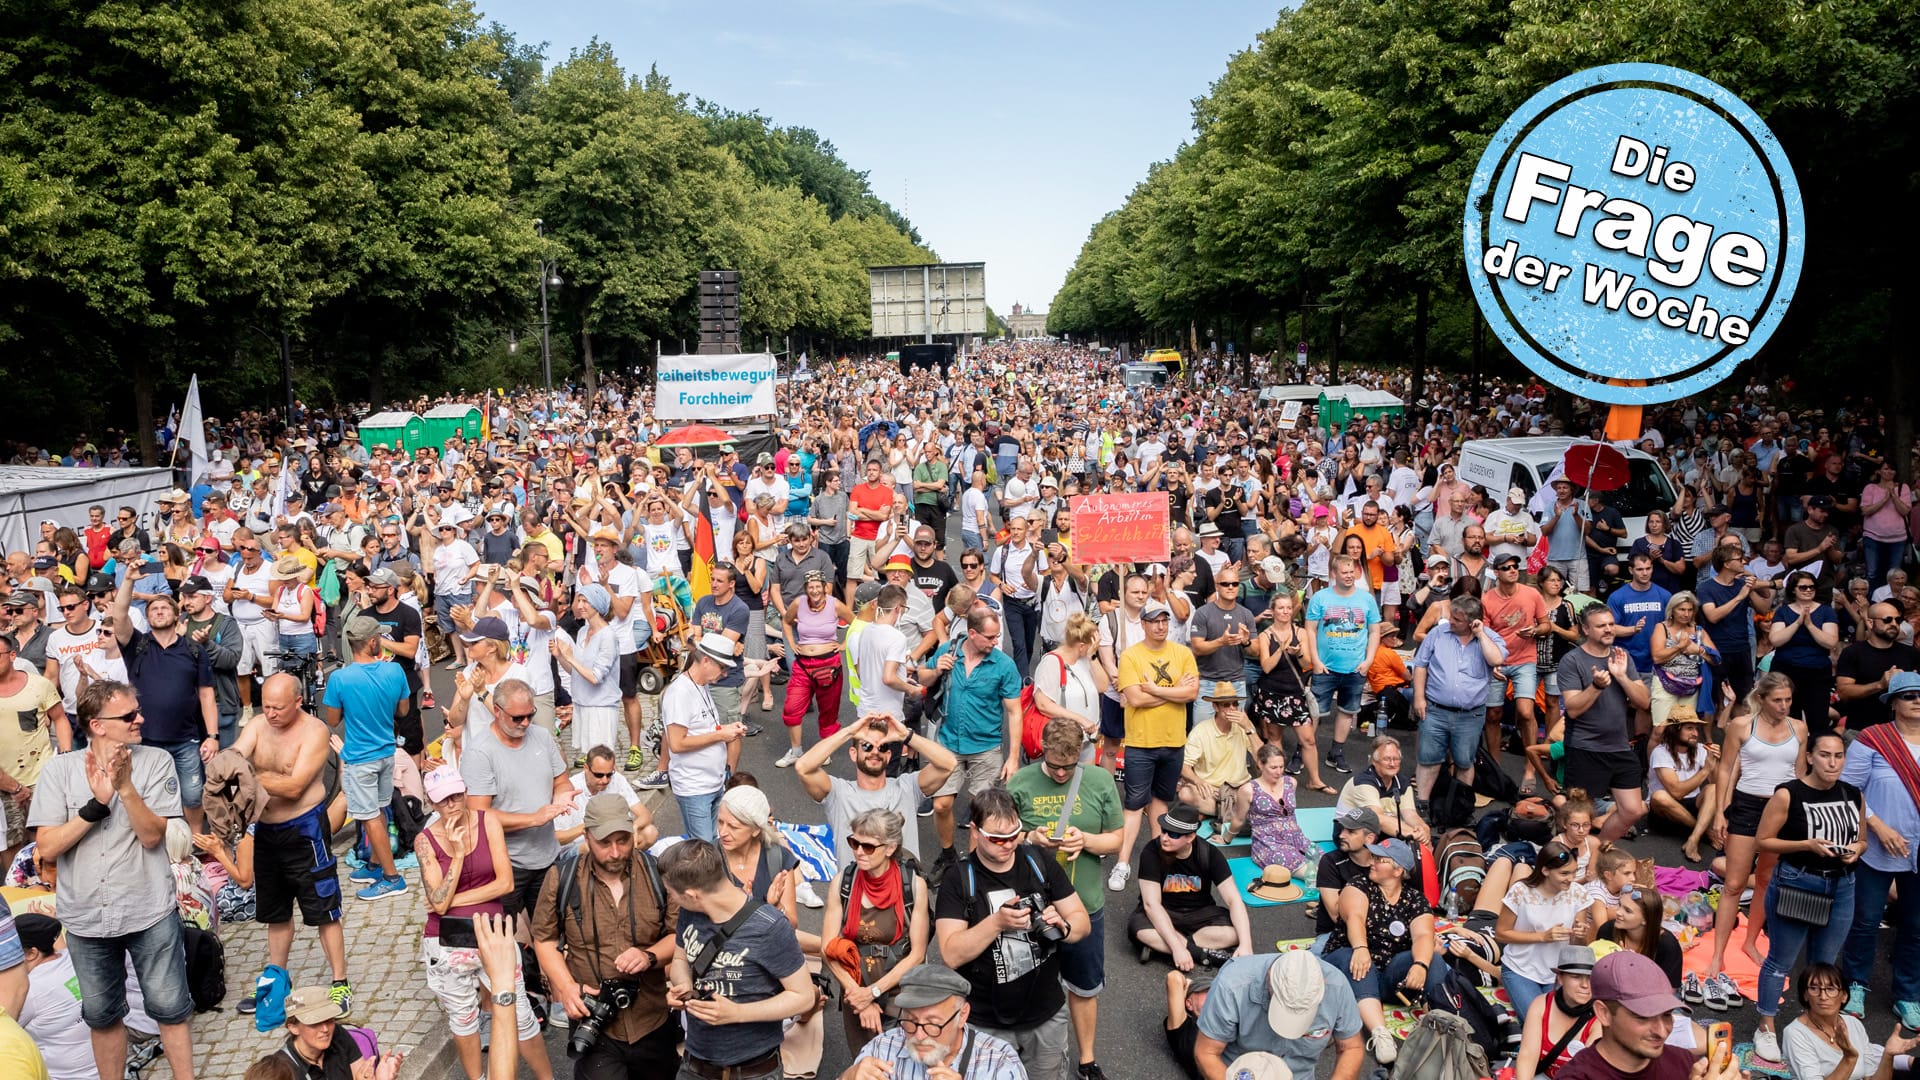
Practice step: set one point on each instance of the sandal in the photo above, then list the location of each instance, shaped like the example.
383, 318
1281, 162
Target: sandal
1324, 789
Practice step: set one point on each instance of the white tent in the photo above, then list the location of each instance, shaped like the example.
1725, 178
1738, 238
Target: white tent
30, 495
1294, 392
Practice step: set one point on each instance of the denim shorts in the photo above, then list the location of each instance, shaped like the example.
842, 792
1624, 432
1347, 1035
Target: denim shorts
1451, 734
1525, 679
1339, 689
159, 960
188, 767
369, 787
1083, 963
1153, 772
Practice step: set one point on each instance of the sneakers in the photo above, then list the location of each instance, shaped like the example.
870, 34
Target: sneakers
1213, 958
426, 699
1728, 990
804, 893
1856, 1005
341, 994
246, 1005
634, 760
1766, 1045
1296, 763
1117, 877
366, 874
787, 759
1383, 1047
1337, 761
1908, 1012
385, 887
653, 781
1690, 990
941, 864
1090, 1070
754, 729
1713, 995
926, 806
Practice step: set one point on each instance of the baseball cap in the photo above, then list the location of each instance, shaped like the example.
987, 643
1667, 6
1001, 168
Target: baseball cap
1636, 984
867, 593
1155, 610
312, 1005
384, 577
1515, 494
490, 628
195, 584
1820, 502
1504, 561
1274, 567
37, 931
1258, 1065
361, 629
1296, 983
1358, 817
443, 782
606, 814
1437, 559
19, 599
1395, 849
764, 458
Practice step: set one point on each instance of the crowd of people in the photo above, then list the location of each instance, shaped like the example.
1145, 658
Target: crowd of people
210, 692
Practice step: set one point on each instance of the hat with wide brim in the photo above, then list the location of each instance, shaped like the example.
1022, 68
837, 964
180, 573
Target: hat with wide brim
717, 647
289, 568
1276, 885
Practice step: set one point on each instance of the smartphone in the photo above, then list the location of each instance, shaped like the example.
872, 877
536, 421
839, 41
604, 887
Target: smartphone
1719, 1046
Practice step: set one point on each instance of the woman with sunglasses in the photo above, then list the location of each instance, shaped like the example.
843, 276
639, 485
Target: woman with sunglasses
1826, 1043
877, 922
1558, 1025
1804, 635
1813, 824
1536, 919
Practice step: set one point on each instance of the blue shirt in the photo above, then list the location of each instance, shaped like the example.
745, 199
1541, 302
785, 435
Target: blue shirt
167, 682
1342, 636
1563, 543
367, 696
1801, 650
1629, 605
976, 722
1236, 1013
1888, 800
1730, 634
993, 1058
1457, 672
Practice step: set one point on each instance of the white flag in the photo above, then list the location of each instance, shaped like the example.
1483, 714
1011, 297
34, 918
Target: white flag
193, 429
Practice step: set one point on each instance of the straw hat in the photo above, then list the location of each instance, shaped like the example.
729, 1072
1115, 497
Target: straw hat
1276, 885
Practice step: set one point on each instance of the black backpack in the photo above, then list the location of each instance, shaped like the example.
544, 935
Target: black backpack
206, 969
408, 820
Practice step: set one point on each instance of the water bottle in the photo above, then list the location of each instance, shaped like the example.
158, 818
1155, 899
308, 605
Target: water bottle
1453, 904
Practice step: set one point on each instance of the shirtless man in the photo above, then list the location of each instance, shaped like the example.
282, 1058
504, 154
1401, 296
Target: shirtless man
292, 856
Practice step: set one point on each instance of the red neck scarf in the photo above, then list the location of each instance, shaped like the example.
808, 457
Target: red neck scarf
884, 892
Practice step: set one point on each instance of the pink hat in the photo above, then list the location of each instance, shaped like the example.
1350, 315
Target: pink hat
1321, 511
443, 783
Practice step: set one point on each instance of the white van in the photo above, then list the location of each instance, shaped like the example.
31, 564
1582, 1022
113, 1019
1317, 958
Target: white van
1498, 464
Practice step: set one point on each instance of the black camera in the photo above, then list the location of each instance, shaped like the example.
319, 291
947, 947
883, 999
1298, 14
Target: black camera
1046, 931
602, 1007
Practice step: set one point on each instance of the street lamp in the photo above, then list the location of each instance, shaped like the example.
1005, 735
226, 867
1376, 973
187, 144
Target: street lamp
547, 277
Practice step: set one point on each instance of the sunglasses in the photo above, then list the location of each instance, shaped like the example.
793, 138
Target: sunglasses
519, 718
249, 547
1004, 839
74, 606
875, 747
1907, 695
125, 718
865, 847
601, 775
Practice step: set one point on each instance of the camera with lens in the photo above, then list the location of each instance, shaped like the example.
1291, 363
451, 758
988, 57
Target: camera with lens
1048, 933
601, 1008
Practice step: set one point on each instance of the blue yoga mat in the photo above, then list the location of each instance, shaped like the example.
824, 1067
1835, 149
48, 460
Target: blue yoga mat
1246, 872
1317, 823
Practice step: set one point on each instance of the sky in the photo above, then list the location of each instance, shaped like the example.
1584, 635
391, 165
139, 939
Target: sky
1003, 128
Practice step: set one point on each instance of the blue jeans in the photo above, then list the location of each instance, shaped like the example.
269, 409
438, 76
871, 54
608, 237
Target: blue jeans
445, 602
1452, 734
1341, 689
1521, 991
1398, 966
1083, 963
1869, 904
1786, 937
697, 815
159, 961
1882, 556
188, 767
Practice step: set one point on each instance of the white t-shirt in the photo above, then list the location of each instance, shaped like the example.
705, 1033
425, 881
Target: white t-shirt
973, 504
1511, 526
451, 562
878, 644
622, 580
528, 646
218, 574
577, 808
1131, 633
687, 704
257, 582
51, 1017
1662, 758
68, 648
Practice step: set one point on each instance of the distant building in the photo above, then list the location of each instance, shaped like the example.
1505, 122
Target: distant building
1027, 324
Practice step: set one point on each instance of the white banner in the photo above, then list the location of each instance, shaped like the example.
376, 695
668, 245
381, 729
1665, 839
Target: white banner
696, 387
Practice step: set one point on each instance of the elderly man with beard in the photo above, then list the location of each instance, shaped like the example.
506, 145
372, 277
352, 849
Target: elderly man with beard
934, 1040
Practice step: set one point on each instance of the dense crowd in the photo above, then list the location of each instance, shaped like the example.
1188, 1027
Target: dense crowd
208, 693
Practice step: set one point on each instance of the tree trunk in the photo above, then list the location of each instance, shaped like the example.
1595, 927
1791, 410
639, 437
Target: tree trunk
1333, 353
1422, 316
588, 375
143, 403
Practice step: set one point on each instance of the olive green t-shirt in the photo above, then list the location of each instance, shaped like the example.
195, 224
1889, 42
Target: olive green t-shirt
1095, 810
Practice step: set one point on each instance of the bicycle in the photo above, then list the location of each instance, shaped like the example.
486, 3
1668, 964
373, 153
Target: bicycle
310, 669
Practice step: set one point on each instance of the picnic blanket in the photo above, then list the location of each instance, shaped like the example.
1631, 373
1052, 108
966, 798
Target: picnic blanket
1737, 965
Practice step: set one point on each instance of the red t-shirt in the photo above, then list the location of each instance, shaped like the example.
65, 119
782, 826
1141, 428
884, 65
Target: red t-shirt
1513, 618
97, 538
869, 497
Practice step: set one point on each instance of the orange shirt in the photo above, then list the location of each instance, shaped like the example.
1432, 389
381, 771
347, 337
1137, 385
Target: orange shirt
1387, 670
1513, 618
1379, 536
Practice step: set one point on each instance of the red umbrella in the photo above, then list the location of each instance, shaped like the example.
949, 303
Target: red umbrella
1595, 466
694, 435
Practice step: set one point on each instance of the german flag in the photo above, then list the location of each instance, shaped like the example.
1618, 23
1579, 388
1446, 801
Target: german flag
700, 575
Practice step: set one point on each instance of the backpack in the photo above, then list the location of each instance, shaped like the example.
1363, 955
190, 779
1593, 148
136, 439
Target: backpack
1463, 866
1033, 722
206, 968
566, 898
1442, 1045
1451, 802
909, 871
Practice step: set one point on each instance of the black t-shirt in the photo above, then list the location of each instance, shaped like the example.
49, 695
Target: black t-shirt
1181, 1042
936, 581
1864, 663
1833, 815
1337, 871
1016, 980
1666, 952
402, 623
1185, 884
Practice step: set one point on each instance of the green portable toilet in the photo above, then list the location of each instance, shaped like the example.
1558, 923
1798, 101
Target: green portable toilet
1331, 410
403, 430
1375, 405
443, 422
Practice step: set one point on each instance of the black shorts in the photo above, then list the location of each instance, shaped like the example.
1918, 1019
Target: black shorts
1185, 922
629, 674
1603, 771
526, 891
1743, 814
1113, 718
292, 861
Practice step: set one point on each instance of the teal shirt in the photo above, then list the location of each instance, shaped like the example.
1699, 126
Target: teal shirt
975, 721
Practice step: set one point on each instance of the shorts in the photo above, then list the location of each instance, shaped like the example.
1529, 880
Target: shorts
455, 977
1186, 923
1603, 771
1550, 682
369, 788
187, 766
629, 674
257, 639
1450, 734
159, 955
445, 602
1743, 814
1153, 772
15, 816
1525, 679
292, 861
726, 700
859, 559
975, 772
1083, 963
1113, 718
1339, 689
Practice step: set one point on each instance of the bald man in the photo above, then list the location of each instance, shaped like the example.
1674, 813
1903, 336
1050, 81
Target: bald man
292, 853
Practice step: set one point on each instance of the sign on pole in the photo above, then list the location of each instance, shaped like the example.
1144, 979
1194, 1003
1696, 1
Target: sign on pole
696, 387
1633, 232
1120, 528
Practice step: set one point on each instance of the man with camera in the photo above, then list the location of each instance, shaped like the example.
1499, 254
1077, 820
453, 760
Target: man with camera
603, 932
934, 1041
1003, 913
738, 972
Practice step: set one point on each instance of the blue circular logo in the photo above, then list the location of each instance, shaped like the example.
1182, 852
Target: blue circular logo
1634, 232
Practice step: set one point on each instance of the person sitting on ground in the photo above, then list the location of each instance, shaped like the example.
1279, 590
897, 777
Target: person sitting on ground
1294, 1006
1380, 788
1637, 926
1573, 819
933, 1038
1267, 806
1213, 773
1561, 1024
318, 1046
1385, 935
1683, 768
1186, 996
1177, 912
1536, 918
1827, 1043
1636, 1010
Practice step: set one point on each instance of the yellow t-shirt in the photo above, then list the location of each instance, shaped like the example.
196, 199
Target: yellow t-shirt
26, 745
1219, 757
19, 1057
1164, 724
